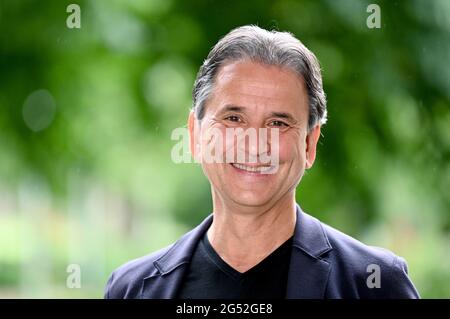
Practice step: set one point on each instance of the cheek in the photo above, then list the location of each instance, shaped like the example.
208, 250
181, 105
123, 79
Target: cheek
212, 143
228, 142
292, 149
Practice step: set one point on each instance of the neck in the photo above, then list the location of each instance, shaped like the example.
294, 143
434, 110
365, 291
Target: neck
244, 236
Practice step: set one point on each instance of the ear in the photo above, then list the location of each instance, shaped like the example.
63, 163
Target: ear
311, 143
193, 134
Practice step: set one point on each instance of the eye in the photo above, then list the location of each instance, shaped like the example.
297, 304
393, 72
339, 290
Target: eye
233, 118
278, 123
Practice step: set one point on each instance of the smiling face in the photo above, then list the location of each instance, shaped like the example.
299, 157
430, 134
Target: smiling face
250, 95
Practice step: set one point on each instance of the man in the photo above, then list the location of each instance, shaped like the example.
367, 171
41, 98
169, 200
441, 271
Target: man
258, 243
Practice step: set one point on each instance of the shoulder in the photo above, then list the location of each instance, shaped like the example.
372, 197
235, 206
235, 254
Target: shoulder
352, 251
126, 281
366, 271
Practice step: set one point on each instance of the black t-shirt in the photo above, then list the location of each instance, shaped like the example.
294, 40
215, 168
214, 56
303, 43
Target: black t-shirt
209, 276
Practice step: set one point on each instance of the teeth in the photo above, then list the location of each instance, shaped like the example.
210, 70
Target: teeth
259, 169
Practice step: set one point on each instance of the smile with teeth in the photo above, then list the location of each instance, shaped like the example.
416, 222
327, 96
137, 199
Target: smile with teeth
252, 169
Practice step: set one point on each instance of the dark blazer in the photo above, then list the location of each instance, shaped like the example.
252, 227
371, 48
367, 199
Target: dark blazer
325, 263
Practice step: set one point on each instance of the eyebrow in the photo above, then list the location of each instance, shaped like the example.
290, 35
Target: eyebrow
283, 115
232, 108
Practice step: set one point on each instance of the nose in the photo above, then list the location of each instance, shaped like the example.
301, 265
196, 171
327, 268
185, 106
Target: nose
252, 144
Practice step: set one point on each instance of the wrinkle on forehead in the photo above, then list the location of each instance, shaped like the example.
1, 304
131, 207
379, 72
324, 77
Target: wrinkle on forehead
247, 81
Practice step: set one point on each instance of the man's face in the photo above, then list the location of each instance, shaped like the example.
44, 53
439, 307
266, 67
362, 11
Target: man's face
251, 95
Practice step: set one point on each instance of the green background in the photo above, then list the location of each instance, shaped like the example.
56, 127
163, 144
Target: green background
86, 116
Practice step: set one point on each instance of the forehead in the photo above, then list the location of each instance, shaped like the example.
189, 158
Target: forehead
250, 83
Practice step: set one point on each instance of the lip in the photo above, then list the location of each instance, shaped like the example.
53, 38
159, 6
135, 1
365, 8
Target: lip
264, 173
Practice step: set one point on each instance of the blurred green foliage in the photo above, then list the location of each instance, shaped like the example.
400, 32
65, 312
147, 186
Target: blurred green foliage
86, 117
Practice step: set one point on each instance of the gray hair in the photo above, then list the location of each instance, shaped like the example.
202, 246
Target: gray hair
269, 47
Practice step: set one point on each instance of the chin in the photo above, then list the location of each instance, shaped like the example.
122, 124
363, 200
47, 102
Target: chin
251, 199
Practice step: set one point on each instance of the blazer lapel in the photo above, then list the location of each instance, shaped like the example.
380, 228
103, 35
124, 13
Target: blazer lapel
308, 271
163, 286
170, 268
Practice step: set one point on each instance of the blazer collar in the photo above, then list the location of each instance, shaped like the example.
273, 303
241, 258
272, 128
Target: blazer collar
309, 269
309, 235
171, 267
183, 249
